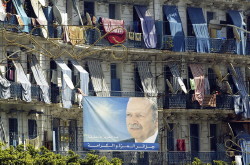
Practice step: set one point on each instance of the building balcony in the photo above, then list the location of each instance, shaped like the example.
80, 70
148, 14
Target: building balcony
95, 36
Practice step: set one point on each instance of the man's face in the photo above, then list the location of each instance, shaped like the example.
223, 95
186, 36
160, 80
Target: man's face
139, 119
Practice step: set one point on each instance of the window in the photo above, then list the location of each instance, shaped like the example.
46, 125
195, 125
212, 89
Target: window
89, 7
10, 72
136, 22
210, 16
170, 137
32, 128
138, 84
73, 135
194, 137
213, 137
115, 81
190, 31
112, 11
166, 26
13, 131
113, 71
212, 80
230, 34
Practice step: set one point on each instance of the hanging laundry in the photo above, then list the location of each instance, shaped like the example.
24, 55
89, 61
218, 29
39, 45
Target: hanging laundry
19, 20
75, 35
131, 35
192, 84
181, 146
114, 28
209, 100
197, 71
207, 86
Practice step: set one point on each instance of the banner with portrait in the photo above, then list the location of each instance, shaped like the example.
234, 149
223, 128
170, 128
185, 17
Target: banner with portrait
120, 123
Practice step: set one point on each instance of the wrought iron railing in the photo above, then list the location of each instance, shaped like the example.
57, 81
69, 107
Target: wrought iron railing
182, 101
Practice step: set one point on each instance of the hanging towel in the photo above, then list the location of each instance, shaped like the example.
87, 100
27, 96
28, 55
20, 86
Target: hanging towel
75, 35
197, 71
114, 36
148, 26
4, 88
40, 79
131, 35
200, 29
23, 15
181, 146
192, 84
138, 36
176, 29
3, 16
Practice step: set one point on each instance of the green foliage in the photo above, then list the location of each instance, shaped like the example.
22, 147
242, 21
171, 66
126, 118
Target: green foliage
32, 156
220, 162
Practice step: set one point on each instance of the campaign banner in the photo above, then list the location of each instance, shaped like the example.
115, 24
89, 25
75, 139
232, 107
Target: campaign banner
120, 123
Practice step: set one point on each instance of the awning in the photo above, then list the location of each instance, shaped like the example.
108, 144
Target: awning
115, 36
198, 73
237, 19
25, 83
200, 29
66, 90
176, 29
147, 79
97, 78
25, 18
148, 26
84, 77
40, 79
37, 7
243, 100
178, 81
4, 88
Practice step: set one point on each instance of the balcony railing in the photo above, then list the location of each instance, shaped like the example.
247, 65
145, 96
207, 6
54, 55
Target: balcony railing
165, 42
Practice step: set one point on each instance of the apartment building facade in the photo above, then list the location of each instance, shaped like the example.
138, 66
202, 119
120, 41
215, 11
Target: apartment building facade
191, 55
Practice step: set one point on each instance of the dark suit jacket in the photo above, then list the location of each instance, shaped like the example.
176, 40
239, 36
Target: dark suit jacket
132, 140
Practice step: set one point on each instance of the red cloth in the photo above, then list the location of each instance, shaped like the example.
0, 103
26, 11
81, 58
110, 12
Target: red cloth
181, 146
116, 36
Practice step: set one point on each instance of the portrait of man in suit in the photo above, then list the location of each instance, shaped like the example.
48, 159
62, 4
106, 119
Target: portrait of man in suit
142, 120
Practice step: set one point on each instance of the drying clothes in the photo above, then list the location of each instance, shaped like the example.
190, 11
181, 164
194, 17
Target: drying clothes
2, 16
36, 142
192, 84
138, 36
198, 74
207, 86
181, 146
76, 35
19, 20
148, 26
4, 88
115, 35
131, 35
209, 100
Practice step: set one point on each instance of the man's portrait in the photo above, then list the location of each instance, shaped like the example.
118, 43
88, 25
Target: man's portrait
142, 120
120, 123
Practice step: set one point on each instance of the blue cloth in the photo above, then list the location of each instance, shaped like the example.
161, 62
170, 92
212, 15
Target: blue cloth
148, 26
238, 21
172, 15
200, 29
26, 20
48, 12
240, 85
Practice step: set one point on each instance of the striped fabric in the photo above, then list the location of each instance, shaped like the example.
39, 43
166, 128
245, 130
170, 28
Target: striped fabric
97, 78
177, 79
197, 71
238, 80
147, 79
